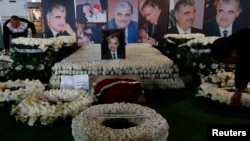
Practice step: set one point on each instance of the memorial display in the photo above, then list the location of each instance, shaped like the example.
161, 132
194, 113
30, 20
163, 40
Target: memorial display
154, 69
111, 109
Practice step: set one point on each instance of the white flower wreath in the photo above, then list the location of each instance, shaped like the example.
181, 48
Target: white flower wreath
21, 89
222, 95
91, 124
50, 105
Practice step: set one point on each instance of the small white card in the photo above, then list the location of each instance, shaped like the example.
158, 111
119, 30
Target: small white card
67, 82
75, 82
81, 82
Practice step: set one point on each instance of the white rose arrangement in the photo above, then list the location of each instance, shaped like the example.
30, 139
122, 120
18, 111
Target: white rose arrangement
221, 77
177, 49
34, 57
23, 44
191, 51
50, 105
199, 54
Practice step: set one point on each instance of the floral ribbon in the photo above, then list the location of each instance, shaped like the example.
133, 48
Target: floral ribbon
182, 45
115, 116
170, 41
28, 50
200, 50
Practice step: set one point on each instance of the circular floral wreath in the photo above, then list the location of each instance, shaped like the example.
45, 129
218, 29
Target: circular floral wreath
141, 123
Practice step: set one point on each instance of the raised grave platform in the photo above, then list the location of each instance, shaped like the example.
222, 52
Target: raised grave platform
155, 69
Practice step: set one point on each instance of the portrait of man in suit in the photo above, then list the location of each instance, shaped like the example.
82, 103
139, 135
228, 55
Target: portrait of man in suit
56, 21
184, 13
224, 24
113, 46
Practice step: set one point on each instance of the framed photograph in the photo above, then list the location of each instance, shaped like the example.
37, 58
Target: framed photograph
217, 24
89, 33
36, 14
59, 18
91, 11
153, 28
113, 44
179, 22
124, 14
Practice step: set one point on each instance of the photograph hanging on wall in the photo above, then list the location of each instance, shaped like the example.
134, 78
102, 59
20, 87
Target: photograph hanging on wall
91, 11
153, 21
91, 18
113, 44
186, 16
36, 14
226, 17
89, 33
124, 14
59, 18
